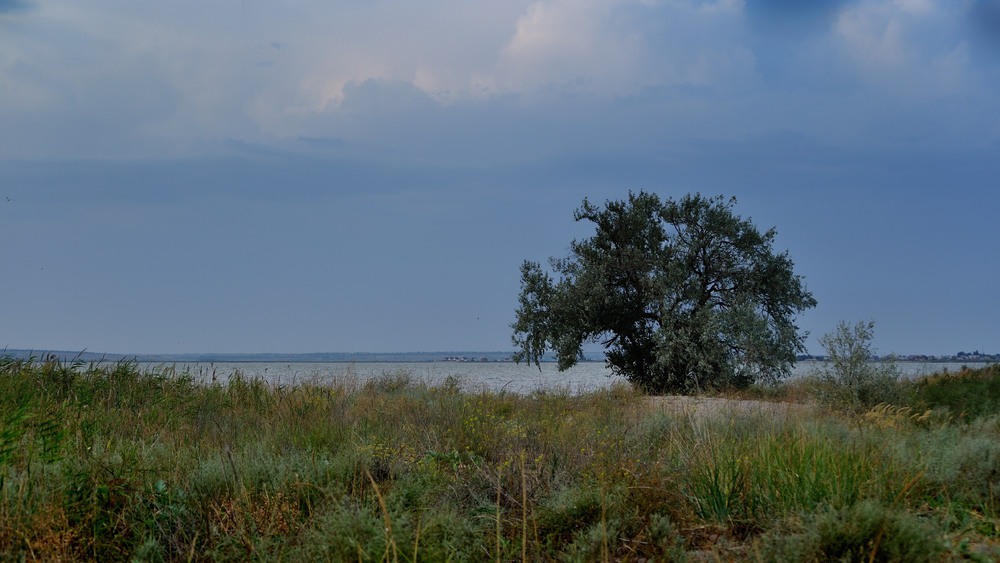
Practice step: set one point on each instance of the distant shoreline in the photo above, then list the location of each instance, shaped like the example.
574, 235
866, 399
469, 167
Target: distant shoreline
319, 357
391, 357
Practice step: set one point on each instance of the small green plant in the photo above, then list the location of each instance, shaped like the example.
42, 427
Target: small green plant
865, 532
853, 380
666, 538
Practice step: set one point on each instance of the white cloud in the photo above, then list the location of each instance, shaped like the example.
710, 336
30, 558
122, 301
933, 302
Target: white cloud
619, 47
568, 44
907, 49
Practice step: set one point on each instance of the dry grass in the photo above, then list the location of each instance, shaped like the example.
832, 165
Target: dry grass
707, 408
106, 463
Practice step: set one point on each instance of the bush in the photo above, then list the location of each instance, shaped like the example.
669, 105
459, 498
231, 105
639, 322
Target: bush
867, 531
967, 394
852, 380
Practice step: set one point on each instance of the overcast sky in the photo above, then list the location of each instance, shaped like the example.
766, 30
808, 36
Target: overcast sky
251, 176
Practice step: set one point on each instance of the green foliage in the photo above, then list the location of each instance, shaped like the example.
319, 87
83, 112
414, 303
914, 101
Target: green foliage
569, 510
29, 431
967, 394
751, 470
684, 295
865, 532
852, 381
666, 538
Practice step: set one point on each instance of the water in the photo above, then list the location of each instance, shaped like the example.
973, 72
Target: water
494, 376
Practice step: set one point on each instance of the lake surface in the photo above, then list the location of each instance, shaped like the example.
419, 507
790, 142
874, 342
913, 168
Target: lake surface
495, 376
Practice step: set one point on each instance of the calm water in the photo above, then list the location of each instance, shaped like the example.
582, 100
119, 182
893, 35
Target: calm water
472, 376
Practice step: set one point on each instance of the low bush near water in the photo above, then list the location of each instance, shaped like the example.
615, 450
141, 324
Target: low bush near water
967, 394
104, 462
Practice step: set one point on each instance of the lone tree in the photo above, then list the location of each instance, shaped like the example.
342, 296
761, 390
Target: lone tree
684, 295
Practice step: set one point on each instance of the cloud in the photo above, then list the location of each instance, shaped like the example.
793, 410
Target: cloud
377, 97
794, 8
986, 12
566, 45
873, 35
984, 19
796, 17
119, 111
455, 81
606, 48
11, 6
913, 50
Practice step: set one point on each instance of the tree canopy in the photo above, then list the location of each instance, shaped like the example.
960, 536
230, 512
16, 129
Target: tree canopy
683, 295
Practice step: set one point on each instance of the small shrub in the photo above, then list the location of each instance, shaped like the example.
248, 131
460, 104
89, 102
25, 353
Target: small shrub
567, 511
851, 381
867, 531
343, 532
596, 542
149, 550
666, 539
389, 382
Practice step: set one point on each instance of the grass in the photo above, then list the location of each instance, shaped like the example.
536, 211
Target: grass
106, 462
968, 394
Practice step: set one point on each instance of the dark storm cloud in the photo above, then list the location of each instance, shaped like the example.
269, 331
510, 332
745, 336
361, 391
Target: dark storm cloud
984, 16
9, 6
988, 10
794, 15
793, 8
781, 27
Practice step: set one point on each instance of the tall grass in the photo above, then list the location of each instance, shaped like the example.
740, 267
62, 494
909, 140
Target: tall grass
105, 462
966, 394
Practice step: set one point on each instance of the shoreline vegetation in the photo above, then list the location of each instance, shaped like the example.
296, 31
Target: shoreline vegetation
107, 461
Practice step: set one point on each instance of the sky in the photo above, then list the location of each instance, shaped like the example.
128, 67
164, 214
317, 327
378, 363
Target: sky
309, 176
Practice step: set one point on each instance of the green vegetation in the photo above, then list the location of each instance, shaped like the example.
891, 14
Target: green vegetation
104, 462
851, 381
685, 296
967, 394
